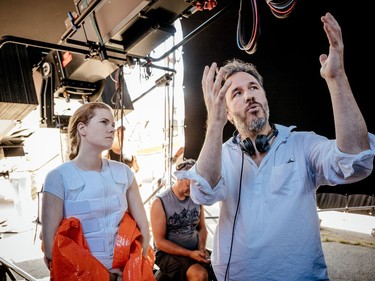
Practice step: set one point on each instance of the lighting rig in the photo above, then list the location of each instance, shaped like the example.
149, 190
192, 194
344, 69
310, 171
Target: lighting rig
102, 36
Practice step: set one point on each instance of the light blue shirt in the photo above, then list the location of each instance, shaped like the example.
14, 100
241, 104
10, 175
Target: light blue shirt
276, 234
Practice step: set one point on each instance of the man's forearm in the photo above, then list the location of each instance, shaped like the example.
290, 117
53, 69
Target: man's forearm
209, 161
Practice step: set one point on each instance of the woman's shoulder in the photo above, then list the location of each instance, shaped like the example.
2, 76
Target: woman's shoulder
117, 170
58, 170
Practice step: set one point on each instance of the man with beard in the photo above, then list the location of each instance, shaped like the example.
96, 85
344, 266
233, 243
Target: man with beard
265, 177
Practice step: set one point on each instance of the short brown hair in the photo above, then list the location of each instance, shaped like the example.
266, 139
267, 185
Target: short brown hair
236, 65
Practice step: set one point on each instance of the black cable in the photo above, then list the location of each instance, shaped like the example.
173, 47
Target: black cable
234, 220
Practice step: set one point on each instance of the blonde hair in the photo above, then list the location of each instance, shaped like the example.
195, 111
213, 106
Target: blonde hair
82, 114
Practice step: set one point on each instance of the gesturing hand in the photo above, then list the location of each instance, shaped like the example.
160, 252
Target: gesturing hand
333, 64
214, 94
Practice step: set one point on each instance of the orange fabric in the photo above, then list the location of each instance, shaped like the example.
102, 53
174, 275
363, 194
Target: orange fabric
71, 257
128, 253
72, 260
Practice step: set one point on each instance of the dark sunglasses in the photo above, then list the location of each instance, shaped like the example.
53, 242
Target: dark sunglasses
183, 164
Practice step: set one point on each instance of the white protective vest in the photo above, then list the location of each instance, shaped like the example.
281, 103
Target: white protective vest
98, 200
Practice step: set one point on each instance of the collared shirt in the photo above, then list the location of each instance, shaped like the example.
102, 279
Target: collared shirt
276, 233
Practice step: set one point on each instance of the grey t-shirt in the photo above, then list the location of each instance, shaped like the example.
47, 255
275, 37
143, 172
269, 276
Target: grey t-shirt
182, 219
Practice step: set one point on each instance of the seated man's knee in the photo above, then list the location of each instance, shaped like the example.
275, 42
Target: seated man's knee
197, 272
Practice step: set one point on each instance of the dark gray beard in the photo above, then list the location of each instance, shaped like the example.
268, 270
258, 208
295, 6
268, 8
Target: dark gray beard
257, 125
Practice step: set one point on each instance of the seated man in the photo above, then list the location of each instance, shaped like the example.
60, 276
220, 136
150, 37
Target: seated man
180, 233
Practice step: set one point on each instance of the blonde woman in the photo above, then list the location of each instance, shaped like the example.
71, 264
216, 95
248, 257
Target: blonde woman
96, 191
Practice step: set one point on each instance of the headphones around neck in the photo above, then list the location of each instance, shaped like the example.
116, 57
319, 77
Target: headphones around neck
261, 142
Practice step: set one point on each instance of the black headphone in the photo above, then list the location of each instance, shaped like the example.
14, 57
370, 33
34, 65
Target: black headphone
261, 142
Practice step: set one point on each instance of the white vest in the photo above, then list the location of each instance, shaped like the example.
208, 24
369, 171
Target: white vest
99, 209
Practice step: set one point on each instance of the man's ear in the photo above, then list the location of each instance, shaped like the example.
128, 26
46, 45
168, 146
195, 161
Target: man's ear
229, 117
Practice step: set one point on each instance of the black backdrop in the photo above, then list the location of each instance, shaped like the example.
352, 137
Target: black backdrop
288, 58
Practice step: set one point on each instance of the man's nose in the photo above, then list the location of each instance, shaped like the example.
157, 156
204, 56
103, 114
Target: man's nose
249, 97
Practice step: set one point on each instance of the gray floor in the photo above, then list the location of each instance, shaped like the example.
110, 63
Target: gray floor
349, 262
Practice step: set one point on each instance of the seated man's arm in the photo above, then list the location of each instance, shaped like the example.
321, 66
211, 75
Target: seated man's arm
202, 233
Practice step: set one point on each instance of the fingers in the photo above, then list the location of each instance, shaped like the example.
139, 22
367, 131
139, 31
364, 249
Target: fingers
208, 72
332, 63
332, 29
202, 257
226, 86
322, 59
219, 79
214, 94
208, 77
212, 71
205, 73
327, 17
212, 79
